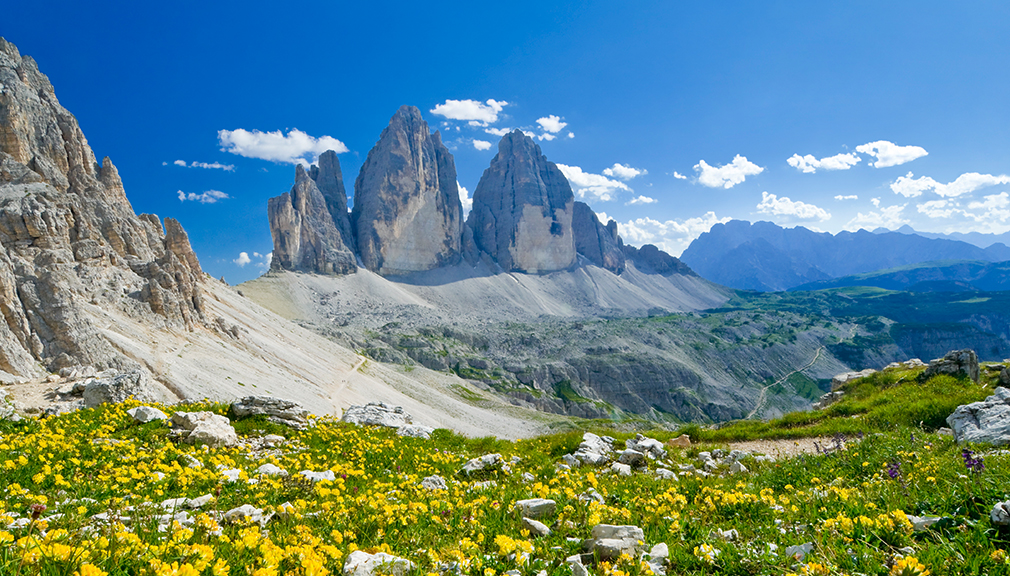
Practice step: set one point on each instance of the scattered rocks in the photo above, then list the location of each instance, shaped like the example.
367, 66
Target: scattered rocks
276, 410
800, 551
726, 535
842, 379
415, 431
632, 458
485, 463
145, 414
954, 363
651, 447
377, 414
535, 528
907, 364
608, 542
318, 476
595, 450
536, 508
682, 441
361, 563
987, 421
737, 468
247, 513
666, 474
115, 389
827, 400
205, 428
435, 482
271, 470
620, 469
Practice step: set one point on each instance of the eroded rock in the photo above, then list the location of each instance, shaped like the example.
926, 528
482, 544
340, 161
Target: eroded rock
205, 428
954, 363
276, 410
987, 421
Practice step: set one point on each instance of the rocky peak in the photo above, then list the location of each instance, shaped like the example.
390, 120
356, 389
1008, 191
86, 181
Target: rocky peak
304, 231
523, 208
407, 214
329, 180
598, 243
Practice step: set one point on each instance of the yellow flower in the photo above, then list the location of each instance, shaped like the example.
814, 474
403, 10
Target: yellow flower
90, 570
909, 566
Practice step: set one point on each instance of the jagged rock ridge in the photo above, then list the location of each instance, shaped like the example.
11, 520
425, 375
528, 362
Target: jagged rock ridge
70, 238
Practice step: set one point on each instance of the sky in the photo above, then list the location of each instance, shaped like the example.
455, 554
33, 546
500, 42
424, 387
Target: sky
665, 116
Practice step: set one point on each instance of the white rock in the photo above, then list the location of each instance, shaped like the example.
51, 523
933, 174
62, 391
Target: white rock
983, 422
435, 482
609, 541
595, 450
231, 474
1000, 514
727, 535
920, 523
648, 446
535, 527
843, 379
578, 569
621, 469
199, 502
632, 458
174, 503
377, 414
536, 507
145, 414
318, 476
360, 563
246, 512
269, 469
737, 468
206, 428
800, 551
485, 463
666, 474
527, 477
190, 461
415, 431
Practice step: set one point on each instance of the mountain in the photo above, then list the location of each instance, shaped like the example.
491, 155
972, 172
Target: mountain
766, 257
943, 276
975, 238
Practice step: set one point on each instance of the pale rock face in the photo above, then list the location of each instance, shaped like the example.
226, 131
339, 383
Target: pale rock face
275, 409
598, 243
523, 208
205, 428
407, 214
361, 563
306, 235
69, 237
983, 422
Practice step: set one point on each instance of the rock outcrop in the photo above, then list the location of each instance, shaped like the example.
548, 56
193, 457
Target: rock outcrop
523, 208
306, 234
987, 421
955, 363
598, 243
407, 213
652, 260
70, 239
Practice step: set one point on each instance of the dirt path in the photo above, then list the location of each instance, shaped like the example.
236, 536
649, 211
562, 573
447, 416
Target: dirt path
764, 391
782, 448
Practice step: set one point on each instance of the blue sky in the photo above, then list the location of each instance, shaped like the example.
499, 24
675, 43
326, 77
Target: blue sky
897, 111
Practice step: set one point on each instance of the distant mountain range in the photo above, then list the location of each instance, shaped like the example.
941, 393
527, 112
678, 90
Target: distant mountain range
943, 276
976, 238
765, 257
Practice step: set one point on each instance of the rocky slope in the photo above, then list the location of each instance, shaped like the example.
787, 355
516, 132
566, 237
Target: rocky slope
943, 276
407, 213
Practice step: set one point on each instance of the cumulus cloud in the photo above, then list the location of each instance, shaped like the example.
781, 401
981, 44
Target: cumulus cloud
472, 111
672, 236
938, 208
890, 154
552, 124
849, 197
967, 183
809, 164
497, 131
889, 217
679, 176
571, 135
212, 165
624, 172
242, 260
465, 199
994, 216
596, 186
296, 147
208, 197
772, 204
642, 200
481, 144
261, 261
726, 176
546, 136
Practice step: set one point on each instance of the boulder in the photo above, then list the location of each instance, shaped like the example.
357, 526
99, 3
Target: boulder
246, 513
535, 528
434, 483
415, 431
318, 476
485, 463
205, 428
536, 508
954, 363
1000, 514
682, 441
649, 446
632, 458
116, 389
827, 400
842, 379
145, 414
608, 542
377, 414
407, 213
523, 208
271, 470
621, 469
1004, 377
276, 410
596, 242
594, 450
361, 563
987, 421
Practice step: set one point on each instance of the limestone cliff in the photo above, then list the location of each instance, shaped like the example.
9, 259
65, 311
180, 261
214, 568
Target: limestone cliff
522, 209
407, 214
305, 231
598, 243
69, 239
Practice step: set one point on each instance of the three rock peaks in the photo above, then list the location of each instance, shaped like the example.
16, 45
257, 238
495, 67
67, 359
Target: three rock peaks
407, 215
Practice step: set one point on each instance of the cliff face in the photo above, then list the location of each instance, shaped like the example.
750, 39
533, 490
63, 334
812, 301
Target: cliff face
69, 238
407, 214
522, 209
598, 243
305, 232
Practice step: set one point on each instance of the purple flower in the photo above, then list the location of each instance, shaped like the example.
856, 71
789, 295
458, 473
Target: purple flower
894, 470
973, 464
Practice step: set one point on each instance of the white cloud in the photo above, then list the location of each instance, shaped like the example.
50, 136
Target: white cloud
642, 200
890, 154
571, 135
546, 136
242, 260
672, 236
465, 199
808, 164
967, 183
772, 204
875, 202
208, 197
728, 175
938, 208
623, 171
679, 176
296, 147
849, 197
477, 113
889, 217
213, 165
552, 124
597, 186
498, 131
1001, 200
481, 144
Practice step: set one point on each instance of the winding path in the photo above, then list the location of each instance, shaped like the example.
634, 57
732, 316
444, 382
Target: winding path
764, 391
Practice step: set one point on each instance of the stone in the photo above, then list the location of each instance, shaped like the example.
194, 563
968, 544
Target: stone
737, 468
271, 470
800, 551
485, 463
145, 414
682, 441
608, 542
207, 428
571, 461
987, 421
246, 513
841, 380
190, 462
649, 446
407, 214
199, 502
726, 535
523, 208
305, 233
318, 476
921, 523
527, 477
954, 363
575, 562
1000, 514
273, 440
536, 508
657, 558
276, 410
534, 527
435, 482
666, 474
415, 431
620, 469
116, 389
377, 414
1004, 377
361, 563
632, 458
230, 474
827, 400
596, 242
594, 450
